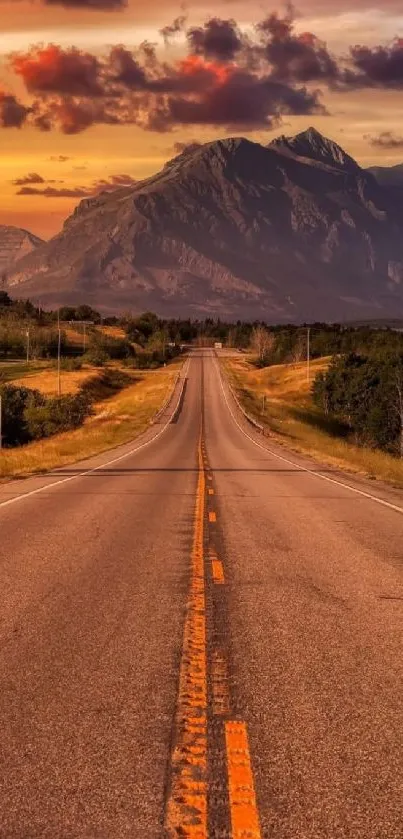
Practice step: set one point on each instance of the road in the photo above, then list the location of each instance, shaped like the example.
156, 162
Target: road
201, 638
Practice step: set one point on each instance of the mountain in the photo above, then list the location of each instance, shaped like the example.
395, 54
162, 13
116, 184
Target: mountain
391, 176
292, 231
313, 146
15, 243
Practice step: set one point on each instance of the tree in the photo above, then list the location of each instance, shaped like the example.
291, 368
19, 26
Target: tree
262, 343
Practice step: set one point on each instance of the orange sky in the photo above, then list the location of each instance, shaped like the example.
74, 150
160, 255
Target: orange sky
103, 151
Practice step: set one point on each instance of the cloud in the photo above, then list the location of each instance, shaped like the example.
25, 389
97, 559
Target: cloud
96, 5
59, 158
31, 178
51, 69
227, 79
385, 140
53, 192
112, 182
378, 66
294, 57
13, 113
172, 29
218, 39
242, 101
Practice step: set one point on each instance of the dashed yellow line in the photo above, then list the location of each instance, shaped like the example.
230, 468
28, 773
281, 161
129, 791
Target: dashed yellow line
210, 491
186, 813
212, 516
218, 571
243, 807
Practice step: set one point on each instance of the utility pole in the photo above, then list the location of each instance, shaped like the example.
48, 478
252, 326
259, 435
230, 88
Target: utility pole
59, 343
1, 423
84, 336
28, 345
308, 354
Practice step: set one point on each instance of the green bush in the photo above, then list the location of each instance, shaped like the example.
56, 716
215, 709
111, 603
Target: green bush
15, 403
96, 356
366, 393
56, 415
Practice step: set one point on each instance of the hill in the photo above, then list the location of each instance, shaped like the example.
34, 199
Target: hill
14, 244
292, 231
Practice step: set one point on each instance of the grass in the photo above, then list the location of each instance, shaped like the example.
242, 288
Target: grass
45, 380
280, 398
10, 370
116, 421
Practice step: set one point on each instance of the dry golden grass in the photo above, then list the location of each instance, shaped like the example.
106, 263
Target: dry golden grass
46, 380
117, 420
295, 422
112, 331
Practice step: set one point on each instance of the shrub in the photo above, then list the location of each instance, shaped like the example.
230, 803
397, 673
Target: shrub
56, 415
15, 402
96, 356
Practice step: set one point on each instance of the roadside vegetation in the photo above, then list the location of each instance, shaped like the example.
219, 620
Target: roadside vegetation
347, 415
113, 421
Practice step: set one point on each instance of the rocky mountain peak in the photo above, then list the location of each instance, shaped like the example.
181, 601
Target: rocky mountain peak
14, 244
315, 146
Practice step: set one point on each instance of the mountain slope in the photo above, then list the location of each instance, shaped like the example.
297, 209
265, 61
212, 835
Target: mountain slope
14, 244
314, 146
235, 229
391, 176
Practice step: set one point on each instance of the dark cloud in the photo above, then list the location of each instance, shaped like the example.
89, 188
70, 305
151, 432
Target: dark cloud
385, 140
53, 192
227, 79
242, 100
114, 181
175, 28
299, 58
96, 5
218, 39
13, 113
51, 69
378, 66
31, 178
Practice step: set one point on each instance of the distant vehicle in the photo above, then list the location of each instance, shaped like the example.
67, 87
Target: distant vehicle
218, 345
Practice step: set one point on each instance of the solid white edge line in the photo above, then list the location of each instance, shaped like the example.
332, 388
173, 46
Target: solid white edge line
375, 498
102, 465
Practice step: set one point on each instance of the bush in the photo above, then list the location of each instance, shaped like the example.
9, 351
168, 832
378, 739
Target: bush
71, 365
56, 415
366, 392
15, 402
96, 356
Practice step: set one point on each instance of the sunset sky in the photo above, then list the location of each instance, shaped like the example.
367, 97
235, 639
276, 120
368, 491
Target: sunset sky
95, 93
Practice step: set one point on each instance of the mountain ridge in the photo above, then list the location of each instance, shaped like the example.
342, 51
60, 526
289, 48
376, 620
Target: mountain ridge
236, 229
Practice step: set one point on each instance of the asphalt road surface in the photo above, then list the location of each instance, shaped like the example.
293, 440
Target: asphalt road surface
201, 638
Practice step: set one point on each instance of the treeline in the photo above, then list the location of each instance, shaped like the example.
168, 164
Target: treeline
365, 393
288, 344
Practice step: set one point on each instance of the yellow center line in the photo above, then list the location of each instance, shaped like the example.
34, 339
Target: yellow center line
218, 571
212, 516
186, 813
210, 491
243, 807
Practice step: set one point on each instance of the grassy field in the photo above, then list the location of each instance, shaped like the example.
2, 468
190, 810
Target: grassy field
45, 380
116, 421
280, 398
